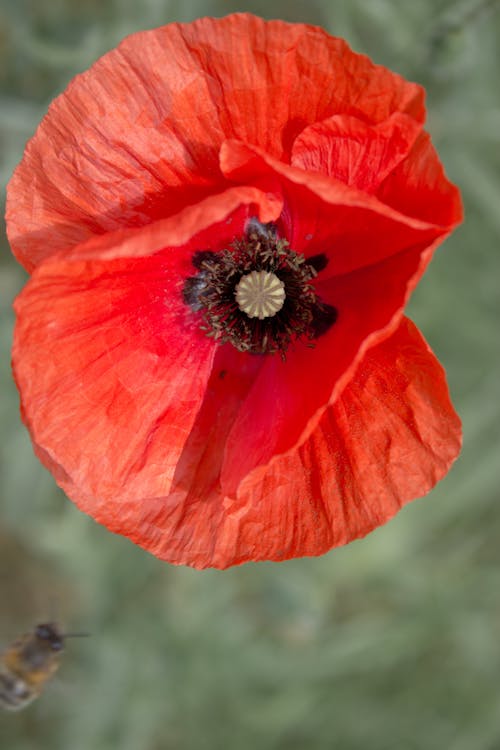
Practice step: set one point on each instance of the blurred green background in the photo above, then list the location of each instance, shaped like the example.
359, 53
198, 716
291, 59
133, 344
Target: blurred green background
392, 643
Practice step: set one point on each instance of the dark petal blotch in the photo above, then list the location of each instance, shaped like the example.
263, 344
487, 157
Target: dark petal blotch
318, 262
324, 316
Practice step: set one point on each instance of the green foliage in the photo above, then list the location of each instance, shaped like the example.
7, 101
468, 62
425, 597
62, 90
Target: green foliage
388, 644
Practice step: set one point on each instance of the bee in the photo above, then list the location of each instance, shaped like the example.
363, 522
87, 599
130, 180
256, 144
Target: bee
29, 663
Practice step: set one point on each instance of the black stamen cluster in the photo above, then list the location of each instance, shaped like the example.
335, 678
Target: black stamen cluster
211, 292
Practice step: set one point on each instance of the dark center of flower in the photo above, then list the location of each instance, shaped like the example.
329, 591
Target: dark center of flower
258, 294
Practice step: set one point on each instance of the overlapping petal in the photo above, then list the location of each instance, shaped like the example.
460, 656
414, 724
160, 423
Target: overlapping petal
104, 369
388, 438
137, 137
418, 187
351, 227
354, 152
104, 350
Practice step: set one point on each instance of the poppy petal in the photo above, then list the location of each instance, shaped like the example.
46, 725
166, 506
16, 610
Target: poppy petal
323, 215
386, 440
247, 164
389, 437
369, 303
136, 138
102, 368
107, 352
223, 216
418, 187
354, 152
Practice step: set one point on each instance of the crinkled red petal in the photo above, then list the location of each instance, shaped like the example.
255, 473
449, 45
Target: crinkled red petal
354, 152
389, 437
137, 137
111, 375
110, 362
418, 187
224, 215
323, 215
369, 304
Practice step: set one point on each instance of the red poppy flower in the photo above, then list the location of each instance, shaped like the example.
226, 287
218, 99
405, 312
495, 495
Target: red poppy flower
223, 221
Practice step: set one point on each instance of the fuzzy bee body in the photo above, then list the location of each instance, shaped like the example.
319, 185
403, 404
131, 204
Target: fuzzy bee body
27, 665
